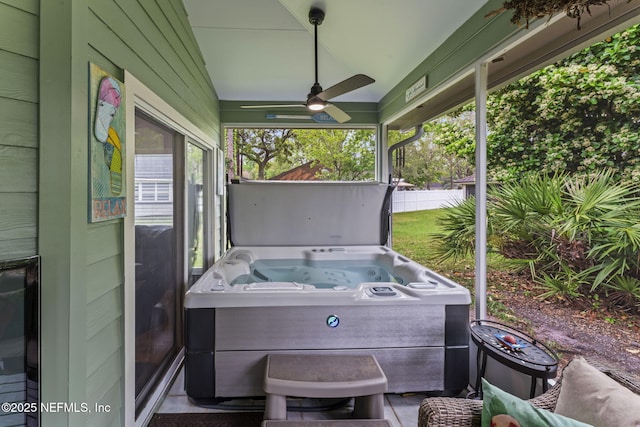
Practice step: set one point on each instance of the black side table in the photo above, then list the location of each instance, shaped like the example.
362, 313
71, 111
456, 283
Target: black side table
518, 351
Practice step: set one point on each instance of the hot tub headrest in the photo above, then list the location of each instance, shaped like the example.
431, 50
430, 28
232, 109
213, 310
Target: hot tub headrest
279, 213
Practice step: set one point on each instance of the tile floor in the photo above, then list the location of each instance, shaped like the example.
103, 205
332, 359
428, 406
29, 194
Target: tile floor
401, 410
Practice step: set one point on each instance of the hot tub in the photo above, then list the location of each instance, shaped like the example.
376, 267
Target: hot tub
361, 298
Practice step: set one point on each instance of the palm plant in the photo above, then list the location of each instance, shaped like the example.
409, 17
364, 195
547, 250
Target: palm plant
522, 211
604, 215
624, 291
576, 233
564, 283
457, 240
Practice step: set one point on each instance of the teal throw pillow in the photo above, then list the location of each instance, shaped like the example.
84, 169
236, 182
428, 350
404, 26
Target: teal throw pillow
496, 402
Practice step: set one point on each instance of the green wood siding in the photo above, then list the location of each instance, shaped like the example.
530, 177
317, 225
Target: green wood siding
153, 41
83, 263
18, 128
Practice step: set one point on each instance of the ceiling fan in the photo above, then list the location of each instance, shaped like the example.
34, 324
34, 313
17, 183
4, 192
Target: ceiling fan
317, 99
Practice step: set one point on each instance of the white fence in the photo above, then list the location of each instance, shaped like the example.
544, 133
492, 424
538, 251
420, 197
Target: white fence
419, 200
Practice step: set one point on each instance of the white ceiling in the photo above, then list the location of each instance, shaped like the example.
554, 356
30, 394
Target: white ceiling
262, 50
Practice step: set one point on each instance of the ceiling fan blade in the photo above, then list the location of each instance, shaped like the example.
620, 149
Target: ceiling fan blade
352, 83
273, 106
335, 112
321, 117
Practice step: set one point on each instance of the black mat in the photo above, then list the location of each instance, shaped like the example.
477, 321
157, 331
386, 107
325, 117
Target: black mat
226, 419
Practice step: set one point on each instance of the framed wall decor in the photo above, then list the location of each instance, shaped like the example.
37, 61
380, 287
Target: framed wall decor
107, 127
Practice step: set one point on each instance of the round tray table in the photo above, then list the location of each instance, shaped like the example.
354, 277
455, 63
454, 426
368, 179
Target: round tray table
525, 355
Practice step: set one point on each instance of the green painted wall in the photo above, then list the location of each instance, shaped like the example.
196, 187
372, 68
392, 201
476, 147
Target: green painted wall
18, 127
82, 263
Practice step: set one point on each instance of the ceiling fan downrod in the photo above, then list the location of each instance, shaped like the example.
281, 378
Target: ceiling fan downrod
316, 16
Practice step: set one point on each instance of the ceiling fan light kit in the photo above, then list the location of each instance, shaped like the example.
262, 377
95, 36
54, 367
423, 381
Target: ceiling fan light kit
315, 105
317, 99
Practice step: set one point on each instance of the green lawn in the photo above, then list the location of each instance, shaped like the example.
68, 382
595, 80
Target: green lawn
413, 236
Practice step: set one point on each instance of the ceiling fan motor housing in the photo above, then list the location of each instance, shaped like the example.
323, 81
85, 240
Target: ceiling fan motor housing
316, 16
315, 89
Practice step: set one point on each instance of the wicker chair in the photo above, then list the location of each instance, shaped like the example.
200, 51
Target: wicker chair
456, 412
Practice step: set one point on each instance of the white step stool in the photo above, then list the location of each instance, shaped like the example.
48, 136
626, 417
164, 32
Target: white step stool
324, 376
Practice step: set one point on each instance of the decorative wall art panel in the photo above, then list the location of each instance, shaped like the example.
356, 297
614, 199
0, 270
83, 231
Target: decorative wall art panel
107, 146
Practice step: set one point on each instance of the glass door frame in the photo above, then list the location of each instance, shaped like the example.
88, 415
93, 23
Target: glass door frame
140, 97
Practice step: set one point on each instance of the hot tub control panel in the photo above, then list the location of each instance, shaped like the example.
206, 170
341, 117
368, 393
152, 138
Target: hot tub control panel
383, 291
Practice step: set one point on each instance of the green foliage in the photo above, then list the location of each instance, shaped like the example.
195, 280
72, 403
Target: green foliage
523, 207
424, 164
442, 154
456, 132
563, 283
458, 236
604, 216
343, 154
261, 146
579, 235
578, 115
624, 291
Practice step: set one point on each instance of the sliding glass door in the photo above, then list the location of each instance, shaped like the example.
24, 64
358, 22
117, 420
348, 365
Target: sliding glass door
158, 293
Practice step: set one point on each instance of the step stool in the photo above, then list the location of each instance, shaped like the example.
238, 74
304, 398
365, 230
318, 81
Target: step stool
324, 376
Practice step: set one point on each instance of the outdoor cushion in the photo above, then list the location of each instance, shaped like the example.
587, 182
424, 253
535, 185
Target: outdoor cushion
497, 402
590, 396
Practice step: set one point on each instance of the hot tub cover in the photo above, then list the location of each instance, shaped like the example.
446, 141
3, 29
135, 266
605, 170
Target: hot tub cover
286, 213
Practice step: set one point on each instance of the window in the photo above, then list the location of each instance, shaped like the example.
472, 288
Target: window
341, 154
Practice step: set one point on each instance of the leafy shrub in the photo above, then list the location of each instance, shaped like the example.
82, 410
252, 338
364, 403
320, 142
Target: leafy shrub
578, 234
459, 236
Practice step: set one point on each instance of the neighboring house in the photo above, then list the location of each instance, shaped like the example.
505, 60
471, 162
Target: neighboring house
402, 185
153, 185
468, 184
304, 172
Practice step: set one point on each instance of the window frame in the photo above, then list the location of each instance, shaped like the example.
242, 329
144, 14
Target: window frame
140, 97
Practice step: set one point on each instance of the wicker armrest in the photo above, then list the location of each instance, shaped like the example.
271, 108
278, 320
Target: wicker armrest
455, 412
548, 399
449, 412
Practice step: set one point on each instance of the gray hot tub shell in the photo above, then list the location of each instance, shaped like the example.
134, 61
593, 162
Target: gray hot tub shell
415, 324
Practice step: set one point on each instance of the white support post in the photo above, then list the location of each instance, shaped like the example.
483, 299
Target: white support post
481, 190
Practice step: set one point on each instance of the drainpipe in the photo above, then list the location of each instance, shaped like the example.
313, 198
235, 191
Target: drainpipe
481, 191
416, 136
394, 147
